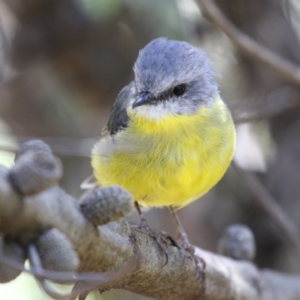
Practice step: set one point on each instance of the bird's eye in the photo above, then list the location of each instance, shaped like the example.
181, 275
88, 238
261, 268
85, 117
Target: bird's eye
179, 90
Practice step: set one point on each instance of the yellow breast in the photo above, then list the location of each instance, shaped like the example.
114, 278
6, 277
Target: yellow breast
168, 162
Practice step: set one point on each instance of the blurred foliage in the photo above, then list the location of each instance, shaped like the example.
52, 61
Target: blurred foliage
101, 9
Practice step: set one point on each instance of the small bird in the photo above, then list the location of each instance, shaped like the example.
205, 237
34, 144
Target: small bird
170, 137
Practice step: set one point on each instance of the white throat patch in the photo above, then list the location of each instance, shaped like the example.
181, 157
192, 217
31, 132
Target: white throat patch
158, 111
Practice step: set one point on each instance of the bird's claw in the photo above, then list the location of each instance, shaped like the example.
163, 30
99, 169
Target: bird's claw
184, 243
162, 239
199, 261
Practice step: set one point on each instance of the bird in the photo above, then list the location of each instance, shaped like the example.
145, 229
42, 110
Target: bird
170, 137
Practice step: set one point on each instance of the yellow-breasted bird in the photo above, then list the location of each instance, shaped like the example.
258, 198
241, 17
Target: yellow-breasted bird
170, 137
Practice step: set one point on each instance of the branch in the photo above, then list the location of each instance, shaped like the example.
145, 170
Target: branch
286, 98
62, 146
269, 204
248, 46
27, 214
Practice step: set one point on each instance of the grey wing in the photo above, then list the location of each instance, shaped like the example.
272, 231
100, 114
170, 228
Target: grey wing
118, 119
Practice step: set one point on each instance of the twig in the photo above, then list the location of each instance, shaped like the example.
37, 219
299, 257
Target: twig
287, 9
248, 46
269, 204
66, 277
35, 262
264, 113
62, 146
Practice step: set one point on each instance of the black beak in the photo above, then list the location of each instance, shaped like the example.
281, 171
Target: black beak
144, 98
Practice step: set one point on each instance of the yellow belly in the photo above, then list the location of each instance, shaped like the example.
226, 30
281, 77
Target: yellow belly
170, 162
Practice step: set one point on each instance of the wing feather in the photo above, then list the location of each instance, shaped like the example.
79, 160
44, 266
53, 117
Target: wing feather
118, 118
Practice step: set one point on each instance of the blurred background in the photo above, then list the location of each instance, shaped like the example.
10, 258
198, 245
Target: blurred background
62, 64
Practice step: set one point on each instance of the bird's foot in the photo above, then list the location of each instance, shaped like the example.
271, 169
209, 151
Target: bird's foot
161, 238
184, 243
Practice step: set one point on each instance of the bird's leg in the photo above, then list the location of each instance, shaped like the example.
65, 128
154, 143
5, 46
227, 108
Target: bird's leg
183, 241
182, 238
159, 237
143, 222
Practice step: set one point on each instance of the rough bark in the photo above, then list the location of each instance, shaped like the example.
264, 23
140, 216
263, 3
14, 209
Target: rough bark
109, 246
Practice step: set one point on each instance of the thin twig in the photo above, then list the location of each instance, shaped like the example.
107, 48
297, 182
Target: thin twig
269, 204
65, 146
287, 9
67, 277
92, 280
248, 46
35, 262
264, 113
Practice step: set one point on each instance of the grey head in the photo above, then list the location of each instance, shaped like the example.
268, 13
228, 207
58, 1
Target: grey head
172, 77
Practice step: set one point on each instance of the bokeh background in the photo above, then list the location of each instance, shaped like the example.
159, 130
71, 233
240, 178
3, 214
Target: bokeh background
62, 63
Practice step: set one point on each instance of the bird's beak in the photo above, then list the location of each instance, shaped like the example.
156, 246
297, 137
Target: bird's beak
144, 98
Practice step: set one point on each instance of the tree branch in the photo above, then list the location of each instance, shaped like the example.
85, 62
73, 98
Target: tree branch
269, 204
24, 218
248, 46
